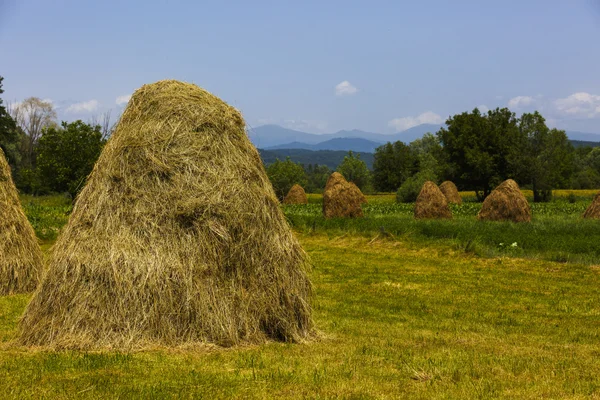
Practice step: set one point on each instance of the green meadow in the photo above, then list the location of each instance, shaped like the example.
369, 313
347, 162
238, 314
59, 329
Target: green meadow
457, 309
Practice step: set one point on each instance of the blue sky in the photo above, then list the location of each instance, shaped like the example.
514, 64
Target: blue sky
318, 66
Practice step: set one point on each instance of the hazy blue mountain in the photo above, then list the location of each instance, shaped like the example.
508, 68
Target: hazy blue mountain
583, 136
582, 143
322, 157
346, 144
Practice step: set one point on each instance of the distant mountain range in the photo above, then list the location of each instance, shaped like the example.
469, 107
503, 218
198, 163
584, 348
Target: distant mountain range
274, 137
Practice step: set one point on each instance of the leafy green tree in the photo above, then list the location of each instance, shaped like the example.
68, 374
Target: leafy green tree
284, 175
393, 164
478, 147
66, 155
355, 170
543, 156
9, 135
316, 176
409, 190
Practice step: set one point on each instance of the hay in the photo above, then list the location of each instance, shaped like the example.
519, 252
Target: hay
431, 203
176, 239
342, 198
296, 195
505, 203
593, 210
450, 190
20, 254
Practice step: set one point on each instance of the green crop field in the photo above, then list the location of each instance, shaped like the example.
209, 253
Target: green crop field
406, 309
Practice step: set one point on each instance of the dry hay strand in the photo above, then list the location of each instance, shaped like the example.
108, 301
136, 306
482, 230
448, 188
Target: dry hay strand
593, 210
296, 195
20, 255
450, 190
505, 203
177, 238
431, 203
342, 198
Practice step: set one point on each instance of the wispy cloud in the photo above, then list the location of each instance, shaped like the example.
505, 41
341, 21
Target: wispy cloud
345, 88
520, 101
428, 117
121, 100
84, 106
579, 104
483, 108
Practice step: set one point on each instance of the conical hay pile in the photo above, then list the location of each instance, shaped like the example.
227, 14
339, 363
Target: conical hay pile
450, 190
505, 203
20, 255
431, 203
177, 238
342, 198
296, 195
593, 210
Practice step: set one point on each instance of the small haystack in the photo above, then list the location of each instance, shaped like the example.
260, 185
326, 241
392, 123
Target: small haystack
450, 190
342, 198
593, 211
20, 255
296, 195
505, 203
431, 203
176, 239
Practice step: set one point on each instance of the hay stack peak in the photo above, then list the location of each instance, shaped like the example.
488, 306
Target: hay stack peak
342, 198
505, 203
296, 195
593, 210
20, 254
431, 203
176, 239
450, 190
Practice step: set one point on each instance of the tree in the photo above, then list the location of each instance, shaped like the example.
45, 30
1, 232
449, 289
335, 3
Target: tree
284, 175
543, 156
478, 147
393, 163
355, 170
409, 190
32, 116
9, 135
316, 176
67, 154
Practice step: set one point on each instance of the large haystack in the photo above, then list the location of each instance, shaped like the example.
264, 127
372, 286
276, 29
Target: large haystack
177, 238
342, 198
431, 203
593, 210
505, 203
450, 190
20, 255
296, 195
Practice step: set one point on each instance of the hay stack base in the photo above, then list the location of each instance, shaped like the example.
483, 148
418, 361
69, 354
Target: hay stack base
505, 203
342, 199
450, 190
593, 210
20, 254
177, 239
431, 203
296, 195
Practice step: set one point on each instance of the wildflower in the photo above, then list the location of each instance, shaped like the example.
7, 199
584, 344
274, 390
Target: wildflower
514, 244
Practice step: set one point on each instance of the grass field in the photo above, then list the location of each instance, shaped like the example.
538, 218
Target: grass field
423, 313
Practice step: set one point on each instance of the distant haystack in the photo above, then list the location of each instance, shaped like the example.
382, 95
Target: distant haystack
296, 195
451, 192
431, 203
176, 239
593, 211
342, 198
20, 255
505, 203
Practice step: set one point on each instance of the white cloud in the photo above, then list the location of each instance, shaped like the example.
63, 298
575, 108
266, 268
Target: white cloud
483, 108
402, 124
520, 101
345, 88
305, 125
84, 106
579, 104
121, 100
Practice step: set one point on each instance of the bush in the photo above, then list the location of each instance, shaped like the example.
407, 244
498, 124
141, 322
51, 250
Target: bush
409, 190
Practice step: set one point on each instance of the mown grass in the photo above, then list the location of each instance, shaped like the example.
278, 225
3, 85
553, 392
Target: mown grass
420, 315
398, 320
